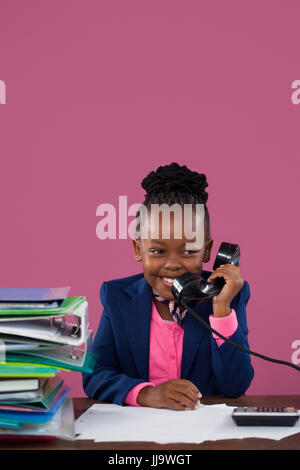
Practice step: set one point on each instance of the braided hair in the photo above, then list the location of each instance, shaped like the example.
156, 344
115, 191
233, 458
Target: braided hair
176, 184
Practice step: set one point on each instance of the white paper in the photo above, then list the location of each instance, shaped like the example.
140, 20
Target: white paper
114, 423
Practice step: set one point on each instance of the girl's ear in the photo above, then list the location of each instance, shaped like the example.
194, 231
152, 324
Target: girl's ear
207, 250
137, 250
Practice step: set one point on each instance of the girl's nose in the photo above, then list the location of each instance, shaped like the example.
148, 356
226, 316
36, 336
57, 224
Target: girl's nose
172, 263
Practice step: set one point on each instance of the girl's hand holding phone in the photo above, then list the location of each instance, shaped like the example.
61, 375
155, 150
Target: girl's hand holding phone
177, 394
233, 284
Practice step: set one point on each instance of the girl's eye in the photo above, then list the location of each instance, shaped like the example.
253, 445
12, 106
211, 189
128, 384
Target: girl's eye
156, 251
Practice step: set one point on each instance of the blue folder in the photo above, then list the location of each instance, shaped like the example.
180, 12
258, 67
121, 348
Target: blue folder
36, 417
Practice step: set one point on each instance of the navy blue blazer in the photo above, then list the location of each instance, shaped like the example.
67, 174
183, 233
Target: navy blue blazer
122, 343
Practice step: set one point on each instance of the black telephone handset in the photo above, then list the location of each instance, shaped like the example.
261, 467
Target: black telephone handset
192, 288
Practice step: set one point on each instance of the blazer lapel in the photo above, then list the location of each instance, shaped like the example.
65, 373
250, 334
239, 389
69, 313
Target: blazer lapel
194, 333
137, 324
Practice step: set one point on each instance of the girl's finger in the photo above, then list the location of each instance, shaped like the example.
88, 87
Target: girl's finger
188, 392
228, 267
174, 405
182, 399
223, 274
191, 386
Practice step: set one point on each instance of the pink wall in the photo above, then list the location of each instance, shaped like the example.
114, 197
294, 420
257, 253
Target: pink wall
100, 92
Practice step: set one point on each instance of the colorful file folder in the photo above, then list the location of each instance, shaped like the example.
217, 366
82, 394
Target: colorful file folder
67, 324
42, 332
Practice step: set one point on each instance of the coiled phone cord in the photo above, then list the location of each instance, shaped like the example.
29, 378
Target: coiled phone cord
248, 351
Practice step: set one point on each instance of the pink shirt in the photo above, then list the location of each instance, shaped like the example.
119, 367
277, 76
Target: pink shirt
165, 354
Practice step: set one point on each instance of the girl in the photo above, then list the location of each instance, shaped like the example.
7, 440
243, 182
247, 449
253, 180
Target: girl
151, 353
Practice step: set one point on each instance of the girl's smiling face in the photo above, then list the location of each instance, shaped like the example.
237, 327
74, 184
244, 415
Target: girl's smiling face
165, 259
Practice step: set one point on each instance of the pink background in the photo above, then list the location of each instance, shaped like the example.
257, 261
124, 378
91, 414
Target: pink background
99, 93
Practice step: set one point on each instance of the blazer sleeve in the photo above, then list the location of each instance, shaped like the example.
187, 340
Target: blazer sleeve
232, 368
107, 382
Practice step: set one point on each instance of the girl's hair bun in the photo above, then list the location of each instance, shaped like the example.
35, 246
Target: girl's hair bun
175, 178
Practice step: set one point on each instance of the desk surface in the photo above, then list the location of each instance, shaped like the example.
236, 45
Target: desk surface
81, 404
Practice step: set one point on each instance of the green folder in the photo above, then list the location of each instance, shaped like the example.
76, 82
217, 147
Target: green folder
22, 369
5, 423
87, 366
36, 417
67, 307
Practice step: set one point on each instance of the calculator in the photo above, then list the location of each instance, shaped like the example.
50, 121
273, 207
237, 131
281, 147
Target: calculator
265, 416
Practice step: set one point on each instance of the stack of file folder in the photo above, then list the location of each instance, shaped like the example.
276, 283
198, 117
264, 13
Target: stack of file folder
42, 332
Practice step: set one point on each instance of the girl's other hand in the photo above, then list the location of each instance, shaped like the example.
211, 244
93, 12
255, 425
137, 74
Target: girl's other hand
177, 394
233, 284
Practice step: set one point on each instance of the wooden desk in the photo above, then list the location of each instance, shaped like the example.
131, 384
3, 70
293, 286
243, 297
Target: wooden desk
81, 404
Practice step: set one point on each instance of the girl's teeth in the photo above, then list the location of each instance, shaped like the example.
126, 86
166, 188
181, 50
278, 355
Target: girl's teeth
168, 280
